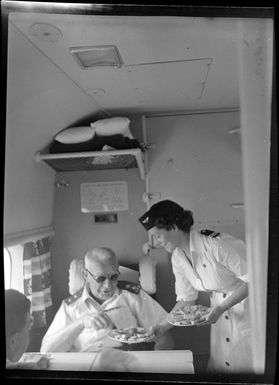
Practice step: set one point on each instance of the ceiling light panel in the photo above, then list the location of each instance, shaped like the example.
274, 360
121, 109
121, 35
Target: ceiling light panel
97, 56
45, 32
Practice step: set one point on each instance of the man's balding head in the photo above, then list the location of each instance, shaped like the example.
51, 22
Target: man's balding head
100, 255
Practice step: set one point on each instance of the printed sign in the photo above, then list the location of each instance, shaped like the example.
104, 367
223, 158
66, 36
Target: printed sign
104, 197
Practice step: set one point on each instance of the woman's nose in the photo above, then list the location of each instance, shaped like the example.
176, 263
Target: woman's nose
157, 242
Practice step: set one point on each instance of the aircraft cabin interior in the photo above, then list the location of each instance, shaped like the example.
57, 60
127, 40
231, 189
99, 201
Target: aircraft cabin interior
110, 110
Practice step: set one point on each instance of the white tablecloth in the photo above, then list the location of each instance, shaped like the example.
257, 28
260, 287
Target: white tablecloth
160, 361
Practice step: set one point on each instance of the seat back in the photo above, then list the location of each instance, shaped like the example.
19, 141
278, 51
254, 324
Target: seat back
128, 274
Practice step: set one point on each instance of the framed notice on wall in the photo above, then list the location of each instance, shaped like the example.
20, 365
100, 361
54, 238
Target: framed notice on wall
103, 197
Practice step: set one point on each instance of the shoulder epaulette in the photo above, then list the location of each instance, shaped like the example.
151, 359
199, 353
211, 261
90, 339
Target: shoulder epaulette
130, 286
210, 233
74, 297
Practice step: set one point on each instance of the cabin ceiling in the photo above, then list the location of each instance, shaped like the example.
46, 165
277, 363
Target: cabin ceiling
170, 64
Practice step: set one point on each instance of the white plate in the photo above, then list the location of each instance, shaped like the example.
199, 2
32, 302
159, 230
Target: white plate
119, 335
183, 316
179, 323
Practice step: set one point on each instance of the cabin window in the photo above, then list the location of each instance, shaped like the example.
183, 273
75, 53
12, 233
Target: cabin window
13, 268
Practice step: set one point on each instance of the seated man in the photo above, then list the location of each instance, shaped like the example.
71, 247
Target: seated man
18, 323
83, 320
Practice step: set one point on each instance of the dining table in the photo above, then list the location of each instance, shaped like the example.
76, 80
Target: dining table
151, 361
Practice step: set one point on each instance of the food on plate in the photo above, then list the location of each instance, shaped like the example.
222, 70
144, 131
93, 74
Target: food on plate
131, 335
188, 315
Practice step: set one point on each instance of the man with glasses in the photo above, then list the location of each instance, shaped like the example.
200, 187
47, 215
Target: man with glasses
83, 320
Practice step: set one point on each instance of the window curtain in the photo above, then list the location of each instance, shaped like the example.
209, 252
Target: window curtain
36, 279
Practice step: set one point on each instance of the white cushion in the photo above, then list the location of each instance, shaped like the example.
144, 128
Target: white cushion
75, 135
113, 126
147, 270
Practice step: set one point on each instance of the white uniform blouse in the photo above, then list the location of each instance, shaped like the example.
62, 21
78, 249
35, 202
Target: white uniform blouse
216, 266
138, 310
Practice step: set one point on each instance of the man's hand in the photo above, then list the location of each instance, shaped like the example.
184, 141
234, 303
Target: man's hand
162, 338
97, 321
160, 329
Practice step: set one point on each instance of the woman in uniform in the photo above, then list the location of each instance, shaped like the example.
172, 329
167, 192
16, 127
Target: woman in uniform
207, 261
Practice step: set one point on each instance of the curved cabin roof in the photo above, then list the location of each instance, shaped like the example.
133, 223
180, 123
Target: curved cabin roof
168, 64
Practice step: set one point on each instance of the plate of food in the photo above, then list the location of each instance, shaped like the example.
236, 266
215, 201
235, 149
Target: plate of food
131, 335
188, 315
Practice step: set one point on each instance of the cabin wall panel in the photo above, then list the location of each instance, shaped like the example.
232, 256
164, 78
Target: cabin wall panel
40, 102
197, 163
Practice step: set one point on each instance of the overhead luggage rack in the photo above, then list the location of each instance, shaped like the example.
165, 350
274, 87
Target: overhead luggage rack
94, 160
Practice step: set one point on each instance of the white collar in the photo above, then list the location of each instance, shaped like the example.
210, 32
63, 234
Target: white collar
196, 243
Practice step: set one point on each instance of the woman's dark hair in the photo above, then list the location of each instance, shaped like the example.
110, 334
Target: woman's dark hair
165, 214
17, 306
183, 222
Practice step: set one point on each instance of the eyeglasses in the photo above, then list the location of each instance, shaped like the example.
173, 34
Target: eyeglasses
102, 278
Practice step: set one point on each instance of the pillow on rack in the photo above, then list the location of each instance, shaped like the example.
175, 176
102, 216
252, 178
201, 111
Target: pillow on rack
117, 142
75, 135
95, 144
113, 126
